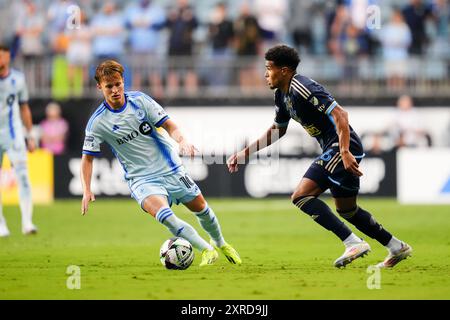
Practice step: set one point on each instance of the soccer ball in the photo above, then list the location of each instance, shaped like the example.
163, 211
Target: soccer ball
176, 253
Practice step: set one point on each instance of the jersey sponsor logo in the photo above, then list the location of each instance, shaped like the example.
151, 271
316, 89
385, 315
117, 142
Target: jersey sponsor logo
145, 128
115, 127
10, 99
312, 130
127, 138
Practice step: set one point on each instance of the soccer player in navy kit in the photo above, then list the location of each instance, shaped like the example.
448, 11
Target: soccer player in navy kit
307, 102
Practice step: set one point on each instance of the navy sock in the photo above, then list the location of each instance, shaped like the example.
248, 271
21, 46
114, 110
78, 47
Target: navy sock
322, 214
366, 223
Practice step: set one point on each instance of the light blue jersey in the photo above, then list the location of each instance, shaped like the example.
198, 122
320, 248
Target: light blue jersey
131, 133
13, 92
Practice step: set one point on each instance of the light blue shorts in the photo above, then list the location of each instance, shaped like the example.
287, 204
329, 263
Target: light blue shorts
177, 187
17, 152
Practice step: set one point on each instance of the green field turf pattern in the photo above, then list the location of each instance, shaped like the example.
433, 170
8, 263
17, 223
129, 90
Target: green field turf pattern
285, 254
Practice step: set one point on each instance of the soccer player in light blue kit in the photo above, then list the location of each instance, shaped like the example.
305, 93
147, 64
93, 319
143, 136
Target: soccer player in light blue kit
14, 114
128, 122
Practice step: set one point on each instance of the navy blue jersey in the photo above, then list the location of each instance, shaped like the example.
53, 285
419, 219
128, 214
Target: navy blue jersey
309, 103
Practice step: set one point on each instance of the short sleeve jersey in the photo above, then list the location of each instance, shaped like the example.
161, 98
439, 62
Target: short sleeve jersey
131, 133
309, 103
13, 93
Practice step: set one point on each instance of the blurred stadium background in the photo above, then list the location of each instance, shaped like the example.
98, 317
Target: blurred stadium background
388, 62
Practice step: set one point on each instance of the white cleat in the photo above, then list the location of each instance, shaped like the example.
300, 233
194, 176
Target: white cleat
351, 253
4, 232
395, 257
29, 230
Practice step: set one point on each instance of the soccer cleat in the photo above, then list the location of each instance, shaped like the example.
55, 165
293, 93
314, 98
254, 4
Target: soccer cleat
395, 257
229, 252
29, 230
209, 257
351, 253
4, 232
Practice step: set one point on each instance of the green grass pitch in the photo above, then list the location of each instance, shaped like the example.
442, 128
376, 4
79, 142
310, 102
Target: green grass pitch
285, 254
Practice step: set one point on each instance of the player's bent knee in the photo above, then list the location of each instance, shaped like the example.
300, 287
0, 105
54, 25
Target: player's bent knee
197, 204
297, 195
299, 201
348, 213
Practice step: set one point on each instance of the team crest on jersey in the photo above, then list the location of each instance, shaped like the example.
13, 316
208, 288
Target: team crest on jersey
145, 128
314, 101
140, 114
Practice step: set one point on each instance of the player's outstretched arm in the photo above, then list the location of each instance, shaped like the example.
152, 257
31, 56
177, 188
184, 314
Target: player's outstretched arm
340, 117
273, 134
86, 174
175, 133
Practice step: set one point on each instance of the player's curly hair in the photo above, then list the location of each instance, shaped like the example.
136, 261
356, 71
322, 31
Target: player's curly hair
283, 56
5, 47
108, 68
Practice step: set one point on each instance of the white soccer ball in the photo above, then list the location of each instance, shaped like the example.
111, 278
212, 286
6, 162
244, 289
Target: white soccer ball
176, 253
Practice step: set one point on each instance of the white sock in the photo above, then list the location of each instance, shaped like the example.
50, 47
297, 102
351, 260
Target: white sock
180, 228
2, 218
25, 199
351, 240
394, 244
210, 224
3, 227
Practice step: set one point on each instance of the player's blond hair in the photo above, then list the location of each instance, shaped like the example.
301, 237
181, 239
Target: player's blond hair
108, 68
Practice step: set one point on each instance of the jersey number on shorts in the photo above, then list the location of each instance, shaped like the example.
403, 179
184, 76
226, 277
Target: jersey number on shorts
187, 181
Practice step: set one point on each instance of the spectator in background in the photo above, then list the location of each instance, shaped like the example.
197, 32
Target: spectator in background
221, 35
58, 15
416, 13
79, 55
181, 22
109, 36
300, 24
30, 27
407, 128
109, 33
440, 47
354, 47
337, 22
395, 38
10, 16
248, 46
145, 20
271, 18
54, 130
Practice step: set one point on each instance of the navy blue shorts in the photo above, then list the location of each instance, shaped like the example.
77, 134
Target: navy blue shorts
328, 171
